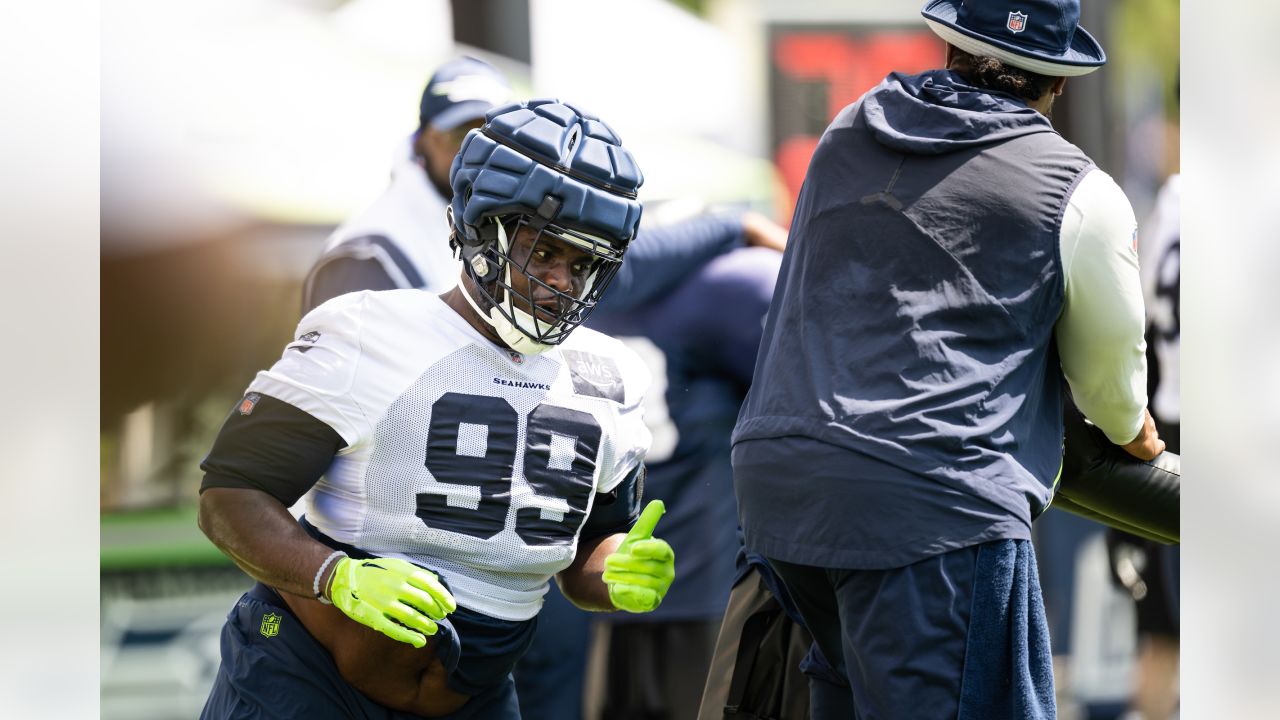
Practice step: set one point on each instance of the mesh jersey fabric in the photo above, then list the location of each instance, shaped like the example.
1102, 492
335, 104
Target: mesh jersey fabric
461, 456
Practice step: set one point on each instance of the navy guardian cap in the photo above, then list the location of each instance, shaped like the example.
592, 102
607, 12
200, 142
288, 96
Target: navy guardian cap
556, 169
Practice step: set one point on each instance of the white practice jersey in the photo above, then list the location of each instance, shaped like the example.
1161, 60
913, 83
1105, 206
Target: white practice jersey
1160, 253
409, 221
465, 457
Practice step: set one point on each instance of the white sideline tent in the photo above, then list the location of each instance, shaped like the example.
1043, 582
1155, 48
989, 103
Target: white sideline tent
217, 113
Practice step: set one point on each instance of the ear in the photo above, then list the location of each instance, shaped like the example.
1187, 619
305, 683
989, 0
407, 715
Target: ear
951, 53
436, 141
1058, 85
420, 143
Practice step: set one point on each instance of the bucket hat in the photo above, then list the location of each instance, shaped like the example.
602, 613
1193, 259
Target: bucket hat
1043, 36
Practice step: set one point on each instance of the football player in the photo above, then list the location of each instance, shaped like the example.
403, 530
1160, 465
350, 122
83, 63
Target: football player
453, 453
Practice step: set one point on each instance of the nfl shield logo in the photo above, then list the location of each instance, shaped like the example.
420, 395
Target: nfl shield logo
247, 405
270, 625
1017, 22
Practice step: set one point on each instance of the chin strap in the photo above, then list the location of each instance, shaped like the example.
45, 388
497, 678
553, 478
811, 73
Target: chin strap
509, 333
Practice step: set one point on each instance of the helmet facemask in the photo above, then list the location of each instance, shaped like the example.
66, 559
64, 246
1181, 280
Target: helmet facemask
528, 314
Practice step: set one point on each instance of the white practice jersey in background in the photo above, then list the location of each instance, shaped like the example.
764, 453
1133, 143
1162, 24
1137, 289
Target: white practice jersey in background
1160, 255
410, 216
467, 458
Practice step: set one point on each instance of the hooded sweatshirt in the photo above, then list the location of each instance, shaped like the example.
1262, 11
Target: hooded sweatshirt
907, 397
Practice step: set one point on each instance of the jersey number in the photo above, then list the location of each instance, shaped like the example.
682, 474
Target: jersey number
472, 444
1167, 315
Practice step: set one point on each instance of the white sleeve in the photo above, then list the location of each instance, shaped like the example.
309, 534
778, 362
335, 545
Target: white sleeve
318, 369
1100, 330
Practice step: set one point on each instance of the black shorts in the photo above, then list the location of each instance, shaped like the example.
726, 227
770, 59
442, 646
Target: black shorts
960, 635
273, 668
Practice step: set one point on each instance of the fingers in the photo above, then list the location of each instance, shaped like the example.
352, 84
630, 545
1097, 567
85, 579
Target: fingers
420, 588
635, 579
634, 599
660, 573
649, 565
400, 633
394, 597
760, 231
648, 521
412, 618
653, 549
1147, 445
655, 559
383, 624
423, 583
423, 602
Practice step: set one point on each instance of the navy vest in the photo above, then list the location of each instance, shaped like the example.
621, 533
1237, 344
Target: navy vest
913, 319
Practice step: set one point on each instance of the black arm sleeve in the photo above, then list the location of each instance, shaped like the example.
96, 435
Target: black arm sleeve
616, 511
269, 445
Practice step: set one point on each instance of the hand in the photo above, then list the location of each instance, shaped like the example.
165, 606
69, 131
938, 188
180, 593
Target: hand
639, 572
760, 231
392, 596
1148, 443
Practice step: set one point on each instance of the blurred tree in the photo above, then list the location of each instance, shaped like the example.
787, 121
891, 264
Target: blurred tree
1150, 29
697, 7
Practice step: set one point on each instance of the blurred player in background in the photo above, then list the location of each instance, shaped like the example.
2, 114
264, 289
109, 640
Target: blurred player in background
453, 452
951, 259
1149, 571
401, 241
700, 343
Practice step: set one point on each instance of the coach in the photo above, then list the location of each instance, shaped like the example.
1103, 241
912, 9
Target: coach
952, 259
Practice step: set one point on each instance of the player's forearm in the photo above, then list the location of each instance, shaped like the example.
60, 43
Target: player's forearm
662, 256
581, 582
260, 535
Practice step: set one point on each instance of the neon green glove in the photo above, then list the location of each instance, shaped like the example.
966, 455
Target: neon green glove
394, 597
639, 572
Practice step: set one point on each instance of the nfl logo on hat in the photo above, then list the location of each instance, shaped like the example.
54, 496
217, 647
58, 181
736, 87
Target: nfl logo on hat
1055, 45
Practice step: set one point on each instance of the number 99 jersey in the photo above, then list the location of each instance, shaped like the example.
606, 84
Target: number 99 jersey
470, 459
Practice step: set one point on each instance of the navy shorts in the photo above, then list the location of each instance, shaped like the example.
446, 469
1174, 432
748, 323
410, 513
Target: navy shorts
273, 668
958, 635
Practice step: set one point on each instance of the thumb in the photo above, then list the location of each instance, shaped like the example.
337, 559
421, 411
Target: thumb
643, 529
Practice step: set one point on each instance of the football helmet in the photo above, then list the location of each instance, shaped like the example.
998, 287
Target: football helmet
545, 169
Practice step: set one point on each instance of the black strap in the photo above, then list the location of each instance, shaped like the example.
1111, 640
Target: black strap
547, 212
755, 632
